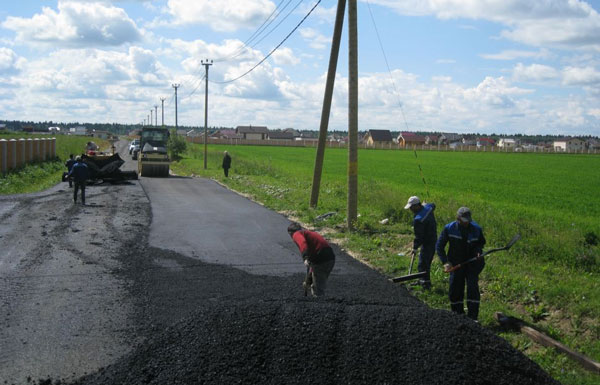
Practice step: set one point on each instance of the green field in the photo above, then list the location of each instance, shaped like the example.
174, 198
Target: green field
41, 175
549, 278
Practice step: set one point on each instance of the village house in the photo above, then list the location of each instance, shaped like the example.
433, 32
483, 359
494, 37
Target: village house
447, 138
507, 143
432, 139
568, 145
79, 130
485, 142
101, 134
592, 144
226, 134
378, 138
409, 139
281, 135
253, 132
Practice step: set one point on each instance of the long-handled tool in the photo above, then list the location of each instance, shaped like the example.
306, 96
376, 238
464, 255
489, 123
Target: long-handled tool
508, 246
410, 276
307, 281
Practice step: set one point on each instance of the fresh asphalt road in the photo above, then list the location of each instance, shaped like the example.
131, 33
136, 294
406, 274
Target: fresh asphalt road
201, 219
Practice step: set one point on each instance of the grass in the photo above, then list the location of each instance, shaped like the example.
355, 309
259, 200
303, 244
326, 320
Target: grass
39, 176
549, 278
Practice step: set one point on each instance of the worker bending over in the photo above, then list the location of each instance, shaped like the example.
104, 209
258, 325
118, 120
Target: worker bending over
318, 257
466, 241
425, 229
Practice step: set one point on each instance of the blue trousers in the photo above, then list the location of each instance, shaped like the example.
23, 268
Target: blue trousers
425, 258
468, 274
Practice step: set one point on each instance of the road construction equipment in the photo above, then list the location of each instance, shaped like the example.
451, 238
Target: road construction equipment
153, 159
410, 276
104, 166
520, 325
508, 246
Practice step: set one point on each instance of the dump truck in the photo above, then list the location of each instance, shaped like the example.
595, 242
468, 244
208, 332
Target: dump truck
153, 158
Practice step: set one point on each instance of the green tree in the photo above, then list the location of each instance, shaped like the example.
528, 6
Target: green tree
176, 145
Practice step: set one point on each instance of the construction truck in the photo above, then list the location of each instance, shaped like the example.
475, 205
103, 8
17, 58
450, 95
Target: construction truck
153, 159
104, 166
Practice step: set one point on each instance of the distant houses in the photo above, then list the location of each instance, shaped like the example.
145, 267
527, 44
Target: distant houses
568, 145
507, 143
377, 138
253, 132
410, 139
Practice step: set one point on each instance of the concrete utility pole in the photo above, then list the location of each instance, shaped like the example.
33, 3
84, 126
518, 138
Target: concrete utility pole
156, 115
176, 86
352, 204
149, 120
151, 116
162, 109
206, 64
333, 59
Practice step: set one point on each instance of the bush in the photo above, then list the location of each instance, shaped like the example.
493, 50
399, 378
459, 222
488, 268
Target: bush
176, 145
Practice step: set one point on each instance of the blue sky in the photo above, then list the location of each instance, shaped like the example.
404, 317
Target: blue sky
486, 66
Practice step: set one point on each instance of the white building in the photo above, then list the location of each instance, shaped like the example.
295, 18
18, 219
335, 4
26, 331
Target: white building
568, 145
79, 130
507, 143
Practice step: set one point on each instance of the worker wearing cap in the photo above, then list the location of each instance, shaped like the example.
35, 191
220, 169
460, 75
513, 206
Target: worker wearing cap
425, 228
318, 257
80, 174
466, 241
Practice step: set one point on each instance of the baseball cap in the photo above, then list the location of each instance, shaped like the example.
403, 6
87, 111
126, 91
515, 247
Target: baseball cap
414, 200
464, 214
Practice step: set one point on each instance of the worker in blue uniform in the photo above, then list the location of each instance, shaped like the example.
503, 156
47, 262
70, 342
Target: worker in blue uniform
80, 174
466, 241
425, 228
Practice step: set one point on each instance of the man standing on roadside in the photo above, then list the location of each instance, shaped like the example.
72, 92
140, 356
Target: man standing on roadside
69, 164
466, 241
425, 228
80, 174
318, 257
226, 163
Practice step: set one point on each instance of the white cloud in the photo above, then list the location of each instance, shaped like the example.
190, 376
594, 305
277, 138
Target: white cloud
315, 39
516, 54
76, 25
581, 76
10, 62
229, 15
534, 73
560, 23
285, 56
445, 61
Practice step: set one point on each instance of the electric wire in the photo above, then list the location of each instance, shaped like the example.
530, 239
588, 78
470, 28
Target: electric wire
396, 93
273, 50
256, 33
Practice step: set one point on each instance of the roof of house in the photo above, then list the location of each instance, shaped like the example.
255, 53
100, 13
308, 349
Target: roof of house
489, 140
507, 140
252, 130
433, 138
380, 135
412, 137
566, 139
281, 135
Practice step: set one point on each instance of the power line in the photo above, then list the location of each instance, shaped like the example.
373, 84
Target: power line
274, 49
257, 32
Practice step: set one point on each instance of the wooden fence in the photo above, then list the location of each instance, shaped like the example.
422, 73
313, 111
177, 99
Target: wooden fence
381, 146
15, 153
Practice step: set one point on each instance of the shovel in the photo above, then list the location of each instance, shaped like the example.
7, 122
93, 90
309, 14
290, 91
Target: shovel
410, 276
508, 246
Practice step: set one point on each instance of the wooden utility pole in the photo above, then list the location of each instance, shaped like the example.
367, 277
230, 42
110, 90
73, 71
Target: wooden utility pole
333, 59
352, 203
176, 86
162, 109
206, 64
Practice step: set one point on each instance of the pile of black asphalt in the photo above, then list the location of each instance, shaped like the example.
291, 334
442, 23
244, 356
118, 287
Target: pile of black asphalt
207, 323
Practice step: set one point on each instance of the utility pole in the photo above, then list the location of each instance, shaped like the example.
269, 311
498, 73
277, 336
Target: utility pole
352, 204
333, 59
149, 120
162, 109
206, 64
156, 115
151, 116
176, 86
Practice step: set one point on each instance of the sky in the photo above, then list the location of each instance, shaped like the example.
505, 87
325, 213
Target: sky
465, 66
